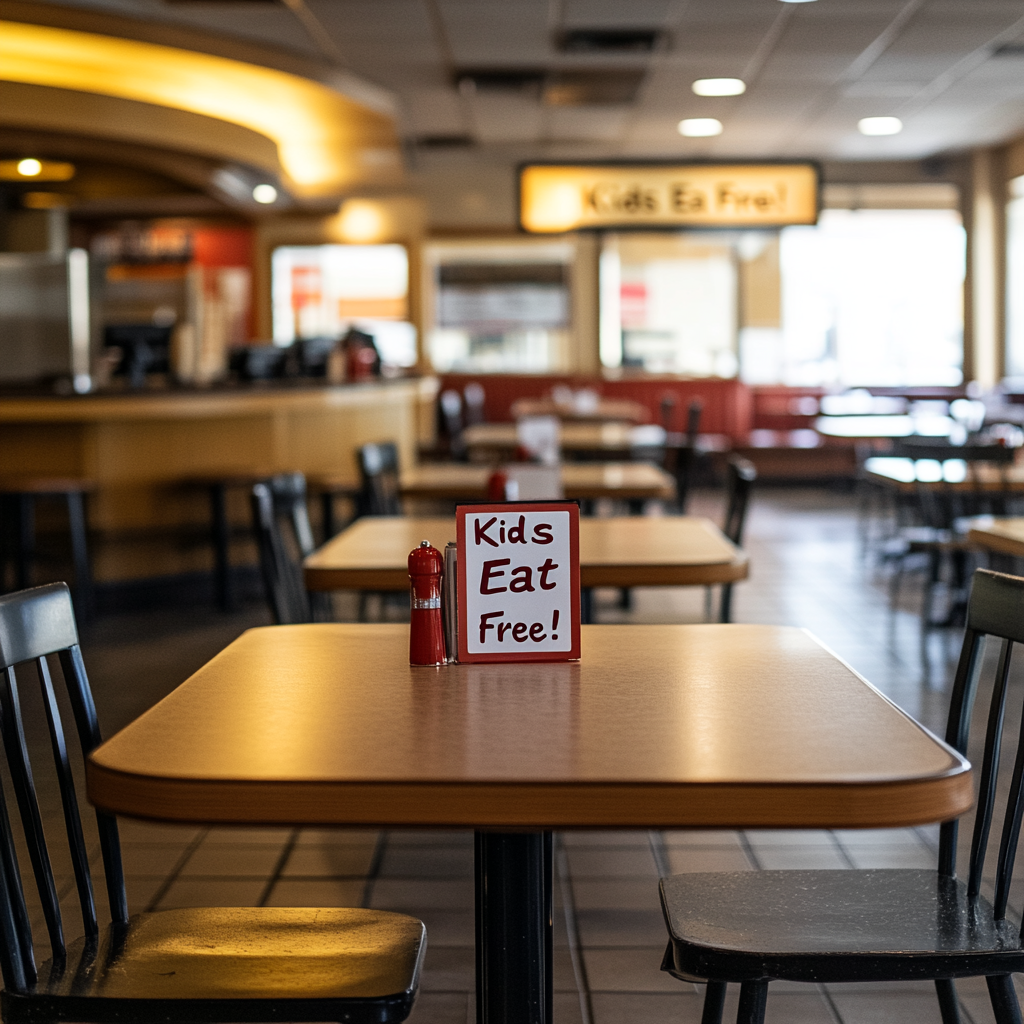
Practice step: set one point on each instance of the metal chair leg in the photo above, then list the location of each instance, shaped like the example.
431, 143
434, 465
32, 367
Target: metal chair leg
753, 999
725, 610
327, 506
714, 1002
80, 554
586, 605
949, 1008
1004, 999
221, 539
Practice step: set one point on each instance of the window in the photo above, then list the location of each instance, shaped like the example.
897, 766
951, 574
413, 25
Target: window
322, 290
669, 303
869, 297
1015, 280
499, 307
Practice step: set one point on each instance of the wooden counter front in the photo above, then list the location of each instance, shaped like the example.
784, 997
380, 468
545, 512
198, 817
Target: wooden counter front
139, 449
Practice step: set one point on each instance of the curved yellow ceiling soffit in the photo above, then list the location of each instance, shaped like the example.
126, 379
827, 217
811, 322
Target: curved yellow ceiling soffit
325, 141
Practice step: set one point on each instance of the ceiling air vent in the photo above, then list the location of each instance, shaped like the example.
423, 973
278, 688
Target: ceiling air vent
592, 88
1009, 50
609, 40
526, 81
443, 141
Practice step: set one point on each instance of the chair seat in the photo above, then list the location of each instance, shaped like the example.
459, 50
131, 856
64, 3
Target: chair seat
236, 964
46, 485
814, 926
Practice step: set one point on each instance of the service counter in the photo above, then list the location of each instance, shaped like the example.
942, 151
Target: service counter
143, 452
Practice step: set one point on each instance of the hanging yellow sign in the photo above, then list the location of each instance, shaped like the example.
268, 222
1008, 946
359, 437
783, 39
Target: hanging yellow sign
568, 197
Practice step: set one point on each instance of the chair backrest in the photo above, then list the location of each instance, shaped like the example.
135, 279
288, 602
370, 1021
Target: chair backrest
378, 466
450, 404
474, 398
667, 411
282, 575
33, 624
995, 609
740, 476
693, 415
288, 491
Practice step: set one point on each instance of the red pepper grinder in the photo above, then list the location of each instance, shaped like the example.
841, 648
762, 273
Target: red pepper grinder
426, 633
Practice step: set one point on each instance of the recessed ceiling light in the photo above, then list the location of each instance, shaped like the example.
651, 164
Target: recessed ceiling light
880, 126
30, 167
700, 127
265, 194
719, 86
797, 1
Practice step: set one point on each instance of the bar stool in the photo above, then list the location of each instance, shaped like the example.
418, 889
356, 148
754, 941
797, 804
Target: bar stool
18, 496
217, 486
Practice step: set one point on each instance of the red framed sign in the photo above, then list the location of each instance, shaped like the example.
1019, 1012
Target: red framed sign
519, 582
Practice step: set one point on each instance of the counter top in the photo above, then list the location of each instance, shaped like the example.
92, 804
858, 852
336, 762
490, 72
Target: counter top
187, 404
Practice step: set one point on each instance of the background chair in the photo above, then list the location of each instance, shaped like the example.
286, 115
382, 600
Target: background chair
876, 925
378, 467
175, 966
450, 405
474, 398
283, 498
740, 476
18, 497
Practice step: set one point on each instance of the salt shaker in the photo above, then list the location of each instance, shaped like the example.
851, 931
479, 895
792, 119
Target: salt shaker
426, 632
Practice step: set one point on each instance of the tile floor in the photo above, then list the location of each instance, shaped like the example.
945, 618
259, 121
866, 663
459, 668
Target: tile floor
806, 570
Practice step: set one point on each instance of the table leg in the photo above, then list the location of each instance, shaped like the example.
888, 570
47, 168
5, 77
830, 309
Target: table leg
513, 928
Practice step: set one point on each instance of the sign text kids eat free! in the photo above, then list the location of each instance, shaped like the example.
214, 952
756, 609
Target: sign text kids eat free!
519, 582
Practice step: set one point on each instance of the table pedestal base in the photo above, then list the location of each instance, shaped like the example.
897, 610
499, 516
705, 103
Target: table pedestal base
514, 908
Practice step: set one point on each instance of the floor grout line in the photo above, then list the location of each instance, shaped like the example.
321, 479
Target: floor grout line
275, 874
172, 876
579, 967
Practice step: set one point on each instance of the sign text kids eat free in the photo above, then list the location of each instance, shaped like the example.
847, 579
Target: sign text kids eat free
519, 582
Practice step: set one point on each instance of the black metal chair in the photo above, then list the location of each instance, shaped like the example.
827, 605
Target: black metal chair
740, 476
875, 925
281, 498
474, 397
175, 966
378, 467
929, 524
18, 497
450, 403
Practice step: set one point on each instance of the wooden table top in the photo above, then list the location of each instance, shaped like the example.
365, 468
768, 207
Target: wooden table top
1003, 535
955, 474
608, 410
625, 551
607, 437
458, 481
704, 726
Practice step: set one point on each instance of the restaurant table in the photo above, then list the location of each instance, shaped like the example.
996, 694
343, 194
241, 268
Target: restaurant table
461, 481
904, 474
1002, 535
622, 551
880, 426
703, 726
602, 438
605, 410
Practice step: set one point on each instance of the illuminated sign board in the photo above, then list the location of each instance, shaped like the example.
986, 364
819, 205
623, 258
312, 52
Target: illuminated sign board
570, 197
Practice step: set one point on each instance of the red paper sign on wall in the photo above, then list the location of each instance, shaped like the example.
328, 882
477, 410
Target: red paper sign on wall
519, 582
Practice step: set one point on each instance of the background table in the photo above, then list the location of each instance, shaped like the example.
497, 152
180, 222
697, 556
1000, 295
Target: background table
624, 551
606, 410
953, 474
709, 726
1006, 536
502, 439
459, 481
